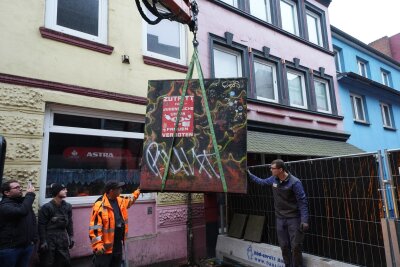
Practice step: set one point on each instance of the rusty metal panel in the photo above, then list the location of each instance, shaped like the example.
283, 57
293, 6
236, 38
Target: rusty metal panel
193, 163
236, 227
254, 228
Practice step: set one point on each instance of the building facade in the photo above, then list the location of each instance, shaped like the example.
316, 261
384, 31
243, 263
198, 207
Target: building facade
389, 46
73, 87
284, 49
369, 84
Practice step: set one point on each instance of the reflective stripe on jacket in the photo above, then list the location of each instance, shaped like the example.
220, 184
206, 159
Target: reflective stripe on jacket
102, 222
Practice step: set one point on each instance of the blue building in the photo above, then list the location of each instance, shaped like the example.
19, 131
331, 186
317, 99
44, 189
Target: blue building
369, 93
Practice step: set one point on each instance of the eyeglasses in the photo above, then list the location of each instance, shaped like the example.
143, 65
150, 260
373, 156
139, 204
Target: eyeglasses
17, 187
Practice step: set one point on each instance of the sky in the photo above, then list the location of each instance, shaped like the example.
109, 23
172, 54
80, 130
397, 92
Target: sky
366, 20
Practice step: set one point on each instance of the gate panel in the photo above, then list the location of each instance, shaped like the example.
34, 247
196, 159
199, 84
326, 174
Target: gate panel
393, 159
345, 206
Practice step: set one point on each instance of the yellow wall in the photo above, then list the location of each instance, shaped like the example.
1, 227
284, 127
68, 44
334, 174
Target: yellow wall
25, 53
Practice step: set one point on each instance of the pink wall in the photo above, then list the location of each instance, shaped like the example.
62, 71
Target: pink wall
254, 35
156, 237
251, 34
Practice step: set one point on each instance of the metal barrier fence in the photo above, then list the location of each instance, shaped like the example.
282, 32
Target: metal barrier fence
345, 205
393, 164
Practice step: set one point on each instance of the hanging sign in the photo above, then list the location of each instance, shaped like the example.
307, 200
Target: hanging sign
193, 165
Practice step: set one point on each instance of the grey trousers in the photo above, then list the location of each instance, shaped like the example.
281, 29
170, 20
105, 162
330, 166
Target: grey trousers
290, 239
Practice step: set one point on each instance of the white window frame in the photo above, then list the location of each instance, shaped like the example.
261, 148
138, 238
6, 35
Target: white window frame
319, 27
267, 7
388, 124
51, 22
337, 60
353, 98
182, 44
50, 128
228, 51
385, 78
328, 96
362, 66
232, 2
303, 88
275, 81
295, 18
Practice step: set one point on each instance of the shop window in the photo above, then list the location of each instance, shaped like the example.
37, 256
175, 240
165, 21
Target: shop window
84, 151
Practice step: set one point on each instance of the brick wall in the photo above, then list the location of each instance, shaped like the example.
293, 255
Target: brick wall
382, 45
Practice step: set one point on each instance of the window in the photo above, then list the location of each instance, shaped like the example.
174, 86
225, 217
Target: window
322, 95
289, 16
165, 40
358, 108
337, 60
227, 63
85, 19
231, 2
261, 9
314, 28
297, 89
386, 115
84, 149
266, 81
362, 68
385, 78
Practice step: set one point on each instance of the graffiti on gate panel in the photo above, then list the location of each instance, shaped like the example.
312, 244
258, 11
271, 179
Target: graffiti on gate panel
193, 162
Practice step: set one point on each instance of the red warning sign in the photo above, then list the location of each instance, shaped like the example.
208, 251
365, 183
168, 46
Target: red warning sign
170, 114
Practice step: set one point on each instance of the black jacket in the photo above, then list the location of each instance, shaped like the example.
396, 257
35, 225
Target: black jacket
18, 225
56, 219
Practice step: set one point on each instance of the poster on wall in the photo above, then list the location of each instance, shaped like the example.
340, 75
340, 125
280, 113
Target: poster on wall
193, 163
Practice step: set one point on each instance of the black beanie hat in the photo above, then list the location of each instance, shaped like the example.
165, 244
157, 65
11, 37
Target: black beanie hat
56, 188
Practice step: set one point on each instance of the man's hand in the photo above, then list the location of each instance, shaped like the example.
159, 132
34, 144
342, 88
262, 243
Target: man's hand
30, 189
44, 246
71, 243
100, 251
248, 171
136, 193
304, 227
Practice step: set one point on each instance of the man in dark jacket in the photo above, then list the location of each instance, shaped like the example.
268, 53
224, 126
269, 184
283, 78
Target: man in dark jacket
291, 211
18, 228
55, 229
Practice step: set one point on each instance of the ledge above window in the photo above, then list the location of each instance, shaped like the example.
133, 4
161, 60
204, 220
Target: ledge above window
164, 64
76, 41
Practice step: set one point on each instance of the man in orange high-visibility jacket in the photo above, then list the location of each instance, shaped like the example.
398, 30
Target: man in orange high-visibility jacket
109, 224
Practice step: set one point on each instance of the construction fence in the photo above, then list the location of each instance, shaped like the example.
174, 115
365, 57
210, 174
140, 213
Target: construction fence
349, 199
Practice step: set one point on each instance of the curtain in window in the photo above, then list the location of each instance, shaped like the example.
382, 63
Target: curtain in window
295, 90
321, 95
264, 81
225, 64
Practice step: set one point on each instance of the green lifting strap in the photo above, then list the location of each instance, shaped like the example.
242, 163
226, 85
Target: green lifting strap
195, 61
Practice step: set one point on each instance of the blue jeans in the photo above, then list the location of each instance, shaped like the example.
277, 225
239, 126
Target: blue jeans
16, 257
